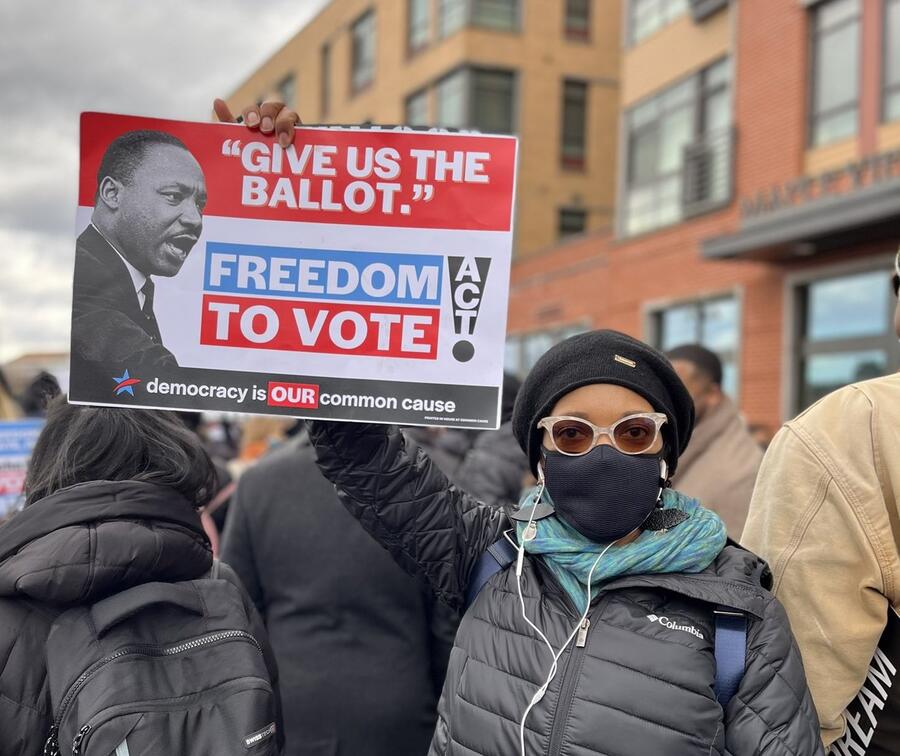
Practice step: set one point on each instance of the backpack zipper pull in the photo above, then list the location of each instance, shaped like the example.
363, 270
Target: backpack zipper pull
51, 747
76, 744
581, 640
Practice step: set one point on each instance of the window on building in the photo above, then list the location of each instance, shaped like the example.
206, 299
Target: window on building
891, 106
646, 17
523, 350
835, 50
287, 91
572, 220
451, 16
417, 108
578, 19
419, 20
695, 112
477, 98
714, 323
845, 333
325, 80
574, 123
362, 68
452, 100
496, 14
493, 101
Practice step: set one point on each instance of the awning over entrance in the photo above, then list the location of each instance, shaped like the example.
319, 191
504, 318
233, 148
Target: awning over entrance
865, 214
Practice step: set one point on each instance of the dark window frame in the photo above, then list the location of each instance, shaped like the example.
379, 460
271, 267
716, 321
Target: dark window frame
420, 92
359, 86
520, 340
325, 80
572, 211
733, 355
574, 34
289, 80
568, 161
804, 349
663, 6
469, 74
515, 27
888, 90
702, 91
414, 49
813, 36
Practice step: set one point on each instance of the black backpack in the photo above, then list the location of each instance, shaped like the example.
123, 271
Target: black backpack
161, 668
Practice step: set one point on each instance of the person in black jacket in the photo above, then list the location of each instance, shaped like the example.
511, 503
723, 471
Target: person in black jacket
111, 503
147, 217
600, 638
352, 632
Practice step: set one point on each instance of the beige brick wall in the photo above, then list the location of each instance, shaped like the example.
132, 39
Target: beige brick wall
539, 52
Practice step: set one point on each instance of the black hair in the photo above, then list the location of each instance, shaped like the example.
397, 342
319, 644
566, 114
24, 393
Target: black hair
126, 152
40, 392
80, 444
707, 362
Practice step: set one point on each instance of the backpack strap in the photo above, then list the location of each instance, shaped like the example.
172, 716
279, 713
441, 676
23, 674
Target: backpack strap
215, 569
731, 652
499, 556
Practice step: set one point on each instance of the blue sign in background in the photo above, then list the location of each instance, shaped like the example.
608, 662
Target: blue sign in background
417, 264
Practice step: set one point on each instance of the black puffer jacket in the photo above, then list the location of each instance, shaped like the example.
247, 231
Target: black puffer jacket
494, 468
637, 687
74, 547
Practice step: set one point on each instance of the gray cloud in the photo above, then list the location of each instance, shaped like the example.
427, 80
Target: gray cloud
166, 59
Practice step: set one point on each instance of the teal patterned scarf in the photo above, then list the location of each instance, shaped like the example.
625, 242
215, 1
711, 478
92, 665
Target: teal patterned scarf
689, 547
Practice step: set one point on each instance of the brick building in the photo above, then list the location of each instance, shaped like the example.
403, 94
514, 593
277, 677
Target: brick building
758, 199
547, 70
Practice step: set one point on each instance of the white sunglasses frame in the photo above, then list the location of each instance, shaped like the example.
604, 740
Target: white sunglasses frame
547, 423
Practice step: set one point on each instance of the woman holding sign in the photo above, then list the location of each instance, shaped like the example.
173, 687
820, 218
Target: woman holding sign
610, 615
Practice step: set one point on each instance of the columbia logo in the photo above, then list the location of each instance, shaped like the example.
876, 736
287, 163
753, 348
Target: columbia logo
666, 622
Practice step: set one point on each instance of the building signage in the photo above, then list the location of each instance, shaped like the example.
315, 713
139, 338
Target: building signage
869, 171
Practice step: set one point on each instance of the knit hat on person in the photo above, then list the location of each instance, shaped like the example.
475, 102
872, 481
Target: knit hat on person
603, 357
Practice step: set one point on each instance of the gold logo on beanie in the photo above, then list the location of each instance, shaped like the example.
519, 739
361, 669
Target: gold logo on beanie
625, 361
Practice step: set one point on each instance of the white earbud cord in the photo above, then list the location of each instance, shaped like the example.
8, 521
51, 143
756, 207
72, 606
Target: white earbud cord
529, 535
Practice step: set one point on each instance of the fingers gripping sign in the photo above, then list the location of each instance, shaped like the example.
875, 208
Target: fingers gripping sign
269, 118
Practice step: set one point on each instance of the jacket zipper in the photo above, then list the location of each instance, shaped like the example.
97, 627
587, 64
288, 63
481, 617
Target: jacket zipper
105, 715
51, 747
570, 679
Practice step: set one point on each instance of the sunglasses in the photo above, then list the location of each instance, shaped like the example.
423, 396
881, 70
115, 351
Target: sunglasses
634, 434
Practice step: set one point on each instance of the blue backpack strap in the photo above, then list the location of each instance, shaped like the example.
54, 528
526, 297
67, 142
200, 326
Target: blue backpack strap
731, 653
499, 556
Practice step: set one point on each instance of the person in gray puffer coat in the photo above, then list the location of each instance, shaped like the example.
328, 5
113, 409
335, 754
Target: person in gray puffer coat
598, 639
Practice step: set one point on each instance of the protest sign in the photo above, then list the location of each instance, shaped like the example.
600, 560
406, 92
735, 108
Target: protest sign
359, 274
17, 439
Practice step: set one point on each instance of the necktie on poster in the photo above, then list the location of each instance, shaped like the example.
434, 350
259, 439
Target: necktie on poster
359, 274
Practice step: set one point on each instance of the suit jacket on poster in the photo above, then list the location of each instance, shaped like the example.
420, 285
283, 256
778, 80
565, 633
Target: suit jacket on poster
109, 331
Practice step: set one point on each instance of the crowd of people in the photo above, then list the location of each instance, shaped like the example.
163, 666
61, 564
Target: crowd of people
617, 570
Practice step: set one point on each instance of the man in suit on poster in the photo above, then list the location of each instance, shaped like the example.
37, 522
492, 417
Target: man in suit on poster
148, 215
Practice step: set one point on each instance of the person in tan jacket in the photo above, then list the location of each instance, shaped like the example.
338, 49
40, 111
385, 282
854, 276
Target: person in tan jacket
826, 515
720, 464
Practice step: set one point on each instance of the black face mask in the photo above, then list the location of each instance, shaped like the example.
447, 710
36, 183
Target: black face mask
603, 494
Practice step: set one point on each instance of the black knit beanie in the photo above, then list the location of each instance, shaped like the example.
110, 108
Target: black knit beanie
603, 357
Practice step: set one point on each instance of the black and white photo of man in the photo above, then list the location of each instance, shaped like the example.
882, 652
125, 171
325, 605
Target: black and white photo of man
148, 215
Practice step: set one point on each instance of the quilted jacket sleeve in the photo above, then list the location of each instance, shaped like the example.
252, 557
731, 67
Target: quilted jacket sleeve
434, 530
772, 713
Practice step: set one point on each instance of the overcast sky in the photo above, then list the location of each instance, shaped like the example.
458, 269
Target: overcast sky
166, 58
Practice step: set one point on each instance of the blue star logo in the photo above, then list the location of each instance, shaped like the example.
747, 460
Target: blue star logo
125, 384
